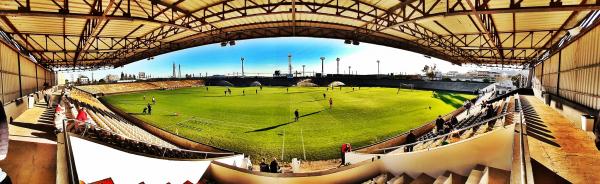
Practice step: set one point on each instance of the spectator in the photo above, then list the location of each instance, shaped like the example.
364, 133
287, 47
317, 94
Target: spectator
410, 138
454, 121
246, 163
58, 108
439, 124
47, 99
345, 148
274, 167
296, 115
4, 178
81, 118
448, 127
149, 109
468, 106
264, 167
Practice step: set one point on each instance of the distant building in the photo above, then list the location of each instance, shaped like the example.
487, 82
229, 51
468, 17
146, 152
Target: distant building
111, 78
452, 74
82, 79
142, 75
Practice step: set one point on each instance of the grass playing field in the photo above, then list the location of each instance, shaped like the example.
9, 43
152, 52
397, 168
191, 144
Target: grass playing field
261, 123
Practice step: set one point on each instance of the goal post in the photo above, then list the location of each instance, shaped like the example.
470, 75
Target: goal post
407, 86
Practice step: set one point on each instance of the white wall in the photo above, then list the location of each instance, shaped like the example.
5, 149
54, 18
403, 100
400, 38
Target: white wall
493, 149
96, 162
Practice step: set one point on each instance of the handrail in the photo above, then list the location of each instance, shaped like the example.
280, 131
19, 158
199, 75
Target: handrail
525, 169
126, 137
447, 134
73, 177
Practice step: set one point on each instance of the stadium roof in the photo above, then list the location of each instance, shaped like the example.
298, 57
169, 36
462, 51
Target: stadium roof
99, 33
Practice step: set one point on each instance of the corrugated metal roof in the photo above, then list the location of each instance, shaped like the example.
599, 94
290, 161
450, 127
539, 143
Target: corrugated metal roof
95, 33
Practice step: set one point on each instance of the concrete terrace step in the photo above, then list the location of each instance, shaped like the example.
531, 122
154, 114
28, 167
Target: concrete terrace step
423, 179
495, 176
402, 179
475, 175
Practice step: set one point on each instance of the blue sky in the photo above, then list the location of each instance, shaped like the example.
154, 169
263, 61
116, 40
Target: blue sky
267, 55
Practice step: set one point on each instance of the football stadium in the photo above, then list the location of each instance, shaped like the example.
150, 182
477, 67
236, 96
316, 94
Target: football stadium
299, 91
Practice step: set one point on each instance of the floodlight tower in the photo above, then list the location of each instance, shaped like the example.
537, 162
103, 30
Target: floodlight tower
322, 69
338, 65
303, 70
377, 68
242, 66
349, 71
290, 63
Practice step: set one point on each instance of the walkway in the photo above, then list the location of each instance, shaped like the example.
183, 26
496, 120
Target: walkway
558, 149
32, 148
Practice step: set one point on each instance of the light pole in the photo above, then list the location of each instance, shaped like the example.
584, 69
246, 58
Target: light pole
322, 69
349, 71
338, 65
290, 63
377, 68
303, 70
242, 66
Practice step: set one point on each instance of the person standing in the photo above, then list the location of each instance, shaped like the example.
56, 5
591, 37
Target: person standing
47, 99
243, 92
149, 109
153, 100
256, 91
144, 97
296, 115
346, 147
330, 103
439, 124
410, 139
324, 96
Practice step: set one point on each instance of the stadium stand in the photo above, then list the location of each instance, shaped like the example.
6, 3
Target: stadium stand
177, 84
138, 86
479, 174
109, 128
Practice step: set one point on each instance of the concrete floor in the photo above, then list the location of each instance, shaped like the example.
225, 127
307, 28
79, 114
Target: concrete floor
32, 148
556, 144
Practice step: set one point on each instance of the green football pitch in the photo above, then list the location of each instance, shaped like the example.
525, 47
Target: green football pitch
261, 122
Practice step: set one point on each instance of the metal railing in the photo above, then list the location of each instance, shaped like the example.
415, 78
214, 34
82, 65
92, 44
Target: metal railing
524, 174
89, 125
72, 171
445, 136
